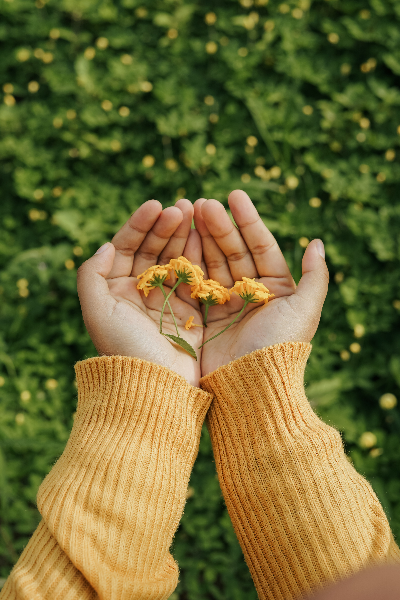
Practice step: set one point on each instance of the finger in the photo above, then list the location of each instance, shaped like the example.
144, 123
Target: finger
229, 240
94, 295
155, 241
313, 285
177, 243
214, 258
264, 248
197, 218
192, 252
128, 239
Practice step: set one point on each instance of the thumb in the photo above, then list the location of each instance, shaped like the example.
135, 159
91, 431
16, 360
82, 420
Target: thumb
313, 285
94, 295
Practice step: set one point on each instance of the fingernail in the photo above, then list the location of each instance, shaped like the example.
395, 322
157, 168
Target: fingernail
102, 248
321, 248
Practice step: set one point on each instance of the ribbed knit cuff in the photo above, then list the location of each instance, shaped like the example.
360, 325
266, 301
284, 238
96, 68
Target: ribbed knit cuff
267, 383
114, 499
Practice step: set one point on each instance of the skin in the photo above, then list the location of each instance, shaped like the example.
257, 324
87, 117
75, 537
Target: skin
250, 250
375, 583
122, 321
119, 318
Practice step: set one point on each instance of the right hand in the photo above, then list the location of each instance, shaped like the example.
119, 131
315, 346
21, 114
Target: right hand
119, 318
250, 250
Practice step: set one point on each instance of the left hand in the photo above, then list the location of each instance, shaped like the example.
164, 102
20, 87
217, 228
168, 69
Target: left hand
119, 318
250, 250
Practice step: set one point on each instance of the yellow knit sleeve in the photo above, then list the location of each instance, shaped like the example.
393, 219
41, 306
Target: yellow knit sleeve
113, 501
303, 516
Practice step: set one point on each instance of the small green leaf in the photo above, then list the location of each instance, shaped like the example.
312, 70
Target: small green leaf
182, 343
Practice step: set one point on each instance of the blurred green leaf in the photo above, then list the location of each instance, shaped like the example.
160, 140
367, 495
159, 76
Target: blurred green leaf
259, 100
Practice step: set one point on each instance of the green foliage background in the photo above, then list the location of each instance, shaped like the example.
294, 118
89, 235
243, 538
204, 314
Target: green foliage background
316, 85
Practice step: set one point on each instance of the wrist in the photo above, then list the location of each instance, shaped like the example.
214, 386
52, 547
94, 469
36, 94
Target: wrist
179, 363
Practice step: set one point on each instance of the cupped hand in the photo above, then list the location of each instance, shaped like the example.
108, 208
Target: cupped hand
250, 250
119, 318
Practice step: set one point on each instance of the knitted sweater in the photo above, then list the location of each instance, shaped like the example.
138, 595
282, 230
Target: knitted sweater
112, 503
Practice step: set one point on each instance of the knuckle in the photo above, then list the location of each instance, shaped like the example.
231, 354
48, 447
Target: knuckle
251, 223
151, 256
136, 228
263, 248
237, 256
124, 251
80, 276
162, 235
289, 286
215, 263
81, 270
164, 259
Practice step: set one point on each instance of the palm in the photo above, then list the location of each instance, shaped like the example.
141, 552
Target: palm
259, 325
137, 312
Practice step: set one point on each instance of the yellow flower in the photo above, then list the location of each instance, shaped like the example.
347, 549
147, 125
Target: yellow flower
208, 288
183, 265
147, 278
248, 287
189, 323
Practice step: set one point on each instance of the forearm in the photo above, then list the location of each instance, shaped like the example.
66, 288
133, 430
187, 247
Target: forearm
302, 514
113, 501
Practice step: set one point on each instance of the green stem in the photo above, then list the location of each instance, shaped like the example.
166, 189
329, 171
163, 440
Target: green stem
205, 315
165, 302
172, 314
227, 327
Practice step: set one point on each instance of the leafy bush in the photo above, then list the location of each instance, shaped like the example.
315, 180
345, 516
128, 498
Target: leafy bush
108, 103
